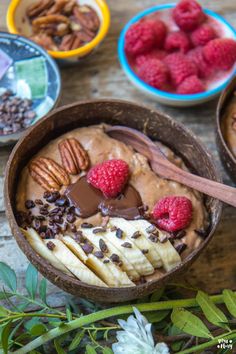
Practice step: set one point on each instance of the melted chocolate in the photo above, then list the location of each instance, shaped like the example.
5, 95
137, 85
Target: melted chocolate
88, 201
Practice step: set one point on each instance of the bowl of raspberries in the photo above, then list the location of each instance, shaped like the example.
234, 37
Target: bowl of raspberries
180, 54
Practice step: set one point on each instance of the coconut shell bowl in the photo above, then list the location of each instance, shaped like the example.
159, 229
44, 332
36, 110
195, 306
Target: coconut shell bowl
226, 129
114, 112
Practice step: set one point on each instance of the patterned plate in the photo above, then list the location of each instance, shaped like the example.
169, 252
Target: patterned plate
29, 72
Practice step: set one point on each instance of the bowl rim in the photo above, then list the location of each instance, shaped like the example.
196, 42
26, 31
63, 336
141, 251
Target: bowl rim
220, 104
152, 90
11, 138
104, 27
36, 259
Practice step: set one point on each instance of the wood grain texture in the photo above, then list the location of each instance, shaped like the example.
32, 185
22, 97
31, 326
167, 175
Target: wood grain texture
101, 76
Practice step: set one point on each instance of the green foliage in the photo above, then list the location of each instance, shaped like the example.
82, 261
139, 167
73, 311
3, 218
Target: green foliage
8, 276
31, 280
212, 313
179, 321
189, 323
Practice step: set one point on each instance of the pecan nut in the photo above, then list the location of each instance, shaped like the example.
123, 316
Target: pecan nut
48, 174
39, 8
70, 42
74, 157
57, 25
87, 17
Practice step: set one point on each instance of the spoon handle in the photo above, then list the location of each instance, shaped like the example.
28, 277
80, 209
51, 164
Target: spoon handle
214, 189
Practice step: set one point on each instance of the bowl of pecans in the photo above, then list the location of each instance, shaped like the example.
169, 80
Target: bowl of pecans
68, 29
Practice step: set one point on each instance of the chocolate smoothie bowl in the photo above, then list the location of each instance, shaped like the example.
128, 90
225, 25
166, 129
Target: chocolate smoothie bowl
91, 215
226, 128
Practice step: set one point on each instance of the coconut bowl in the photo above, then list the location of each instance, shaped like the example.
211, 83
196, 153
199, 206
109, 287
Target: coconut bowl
158, 127
227, 157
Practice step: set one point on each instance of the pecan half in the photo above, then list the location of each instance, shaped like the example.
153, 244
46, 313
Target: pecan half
57, 25
73, 156
48, 174
87, 17
39, 8
59, 6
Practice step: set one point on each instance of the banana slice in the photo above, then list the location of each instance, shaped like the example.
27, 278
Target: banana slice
108, 272
38, 245
142, 242
71, 262
126, 265
169, 256
75, 248
133, 254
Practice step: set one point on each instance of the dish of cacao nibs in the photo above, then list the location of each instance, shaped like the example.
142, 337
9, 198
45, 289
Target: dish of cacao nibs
15, 113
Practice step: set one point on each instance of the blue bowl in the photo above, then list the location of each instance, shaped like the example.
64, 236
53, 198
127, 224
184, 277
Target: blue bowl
167, 98
29, 72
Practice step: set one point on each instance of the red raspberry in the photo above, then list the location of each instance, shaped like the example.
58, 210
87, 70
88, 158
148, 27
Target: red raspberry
154, 72
188, 15
154, 54
180, 67
220, 53
204, 69
173, 213
190, 85
139, 39
202, 35
110, 177
177, 41
160, 30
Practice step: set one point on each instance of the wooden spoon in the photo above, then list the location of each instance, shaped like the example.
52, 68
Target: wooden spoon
167, 169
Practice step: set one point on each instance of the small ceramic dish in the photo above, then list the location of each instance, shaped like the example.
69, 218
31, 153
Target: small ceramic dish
18, 23
227, 156
29, 73
167, 98
158, 127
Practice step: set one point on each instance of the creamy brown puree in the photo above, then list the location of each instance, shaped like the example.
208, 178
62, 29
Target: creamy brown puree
228, 124
151, 187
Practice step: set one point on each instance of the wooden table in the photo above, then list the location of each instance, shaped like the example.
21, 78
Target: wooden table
101, 76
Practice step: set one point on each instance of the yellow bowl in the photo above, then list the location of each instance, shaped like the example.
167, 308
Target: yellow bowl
17, 23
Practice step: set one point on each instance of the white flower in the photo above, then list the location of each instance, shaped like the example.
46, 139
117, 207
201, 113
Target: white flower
137, 337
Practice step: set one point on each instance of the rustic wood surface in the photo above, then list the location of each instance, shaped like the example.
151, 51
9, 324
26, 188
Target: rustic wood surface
101, 76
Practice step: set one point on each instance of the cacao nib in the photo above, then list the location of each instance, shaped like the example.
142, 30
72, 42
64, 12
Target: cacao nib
103, 246
29, 204
119, 233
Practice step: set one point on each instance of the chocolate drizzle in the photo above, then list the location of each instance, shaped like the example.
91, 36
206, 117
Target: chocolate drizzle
88, 201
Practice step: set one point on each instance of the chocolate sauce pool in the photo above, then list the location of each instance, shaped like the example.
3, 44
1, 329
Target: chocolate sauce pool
88, 201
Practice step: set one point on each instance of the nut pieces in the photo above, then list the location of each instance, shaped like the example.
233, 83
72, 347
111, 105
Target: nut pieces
73, 156
48, 174
62, 24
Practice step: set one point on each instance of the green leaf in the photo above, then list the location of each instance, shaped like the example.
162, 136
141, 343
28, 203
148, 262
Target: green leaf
38, 329
8, 276
212, 313
5, 295
3, 311
90, 349
230, 301
176, 346
189, 323
5, 336
68, 314
43, 290
58, 347
107, 350
156, 316
76, 341
157, 295
31, 323
31, 281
